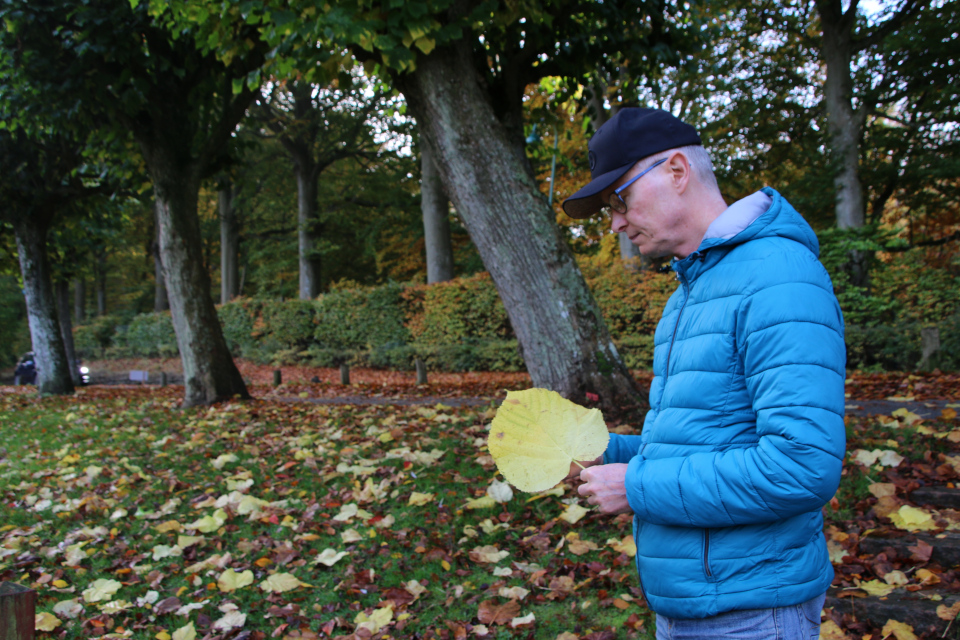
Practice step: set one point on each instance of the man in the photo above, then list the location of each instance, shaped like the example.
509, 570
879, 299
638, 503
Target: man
744, 440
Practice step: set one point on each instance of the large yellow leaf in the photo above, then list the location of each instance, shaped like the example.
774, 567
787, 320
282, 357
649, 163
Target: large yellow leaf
45, 622
280, 582
537, 434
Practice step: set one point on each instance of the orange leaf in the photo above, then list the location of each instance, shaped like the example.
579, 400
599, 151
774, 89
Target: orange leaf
620, 604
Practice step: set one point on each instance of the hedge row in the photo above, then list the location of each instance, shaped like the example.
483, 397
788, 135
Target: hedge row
454, 326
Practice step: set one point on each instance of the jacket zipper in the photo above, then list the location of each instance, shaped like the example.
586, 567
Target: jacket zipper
706, 553
673, 338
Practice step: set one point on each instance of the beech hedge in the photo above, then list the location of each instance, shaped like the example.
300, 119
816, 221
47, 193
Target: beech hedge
459, 325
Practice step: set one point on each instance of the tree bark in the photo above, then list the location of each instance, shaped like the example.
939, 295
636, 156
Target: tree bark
565, 343
100, 280
160, 300
66, 330
436, 220
80, 300
844, 121
53, 372
209, 372
307, 221
229, 244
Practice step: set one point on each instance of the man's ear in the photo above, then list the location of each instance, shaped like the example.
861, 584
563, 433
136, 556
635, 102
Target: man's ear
679, 171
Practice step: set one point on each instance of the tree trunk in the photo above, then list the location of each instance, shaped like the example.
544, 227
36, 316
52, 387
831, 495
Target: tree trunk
160, 300
844, 121
66, 329
436, 220
53, 372
307, 221
100, 280
565, 343
209, 372
80, 300
229, 244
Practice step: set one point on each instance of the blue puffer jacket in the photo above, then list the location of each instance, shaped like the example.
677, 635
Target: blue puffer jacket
744, 440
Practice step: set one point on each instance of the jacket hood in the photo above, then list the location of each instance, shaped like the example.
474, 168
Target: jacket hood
744, 221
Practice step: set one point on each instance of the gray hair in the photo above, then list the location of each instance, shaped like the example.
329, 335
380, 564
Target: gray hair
699, 161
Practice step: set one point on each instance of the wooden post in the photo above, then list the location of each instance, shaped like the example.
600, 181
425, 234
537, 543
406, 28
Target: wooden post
277, 378
18, 606
421, 371
344, 373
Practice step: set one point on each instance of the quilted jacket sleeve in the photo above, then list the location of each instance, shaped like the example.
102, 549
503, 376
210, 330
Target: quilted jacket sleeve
789, 336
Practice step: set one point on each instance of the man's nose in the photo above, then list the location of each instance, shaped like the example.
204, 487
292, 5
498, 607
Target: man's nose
618, 221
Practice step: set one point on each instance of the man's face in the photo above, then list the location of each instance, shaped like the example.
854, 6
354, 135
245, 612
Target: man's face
653, 219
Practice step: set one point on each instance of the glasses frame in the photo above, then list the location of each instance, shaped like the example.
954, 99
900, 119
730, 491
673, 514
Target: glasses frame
617, 202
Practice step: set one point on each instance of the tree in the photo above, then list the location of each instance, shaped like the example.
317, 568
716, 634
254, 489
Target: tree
462, 68
436, 220
181, 106
39, 178
319, 126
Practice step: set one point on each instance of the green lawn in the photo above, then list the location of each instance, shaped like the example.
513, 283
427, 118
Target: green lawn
133, 518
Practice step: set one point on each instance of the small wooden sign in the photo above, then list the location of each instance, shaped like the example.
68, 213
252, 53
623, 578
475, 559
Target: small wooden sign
18, 606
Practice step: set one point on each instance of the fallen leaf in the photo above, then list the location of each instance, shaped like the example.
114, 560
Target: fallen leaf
573, 513
921, 552
627, 545
948, 613
513, 593
230, 580
102, 589
415, 588
829, 630
45, 622
896, 578
68, 609
418, 499
280, 582
375, 621
484, 502
329, 557
566, 635
927, 577
876, 588
881, 489
528, 619
500, 492
537, 434
912, 519
491, 612
232, 620
187, 632
488, 554
900, 630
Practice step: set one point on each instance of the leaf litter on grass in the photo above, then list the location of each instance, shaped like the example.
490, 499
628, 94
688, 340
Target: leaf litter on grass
134, 518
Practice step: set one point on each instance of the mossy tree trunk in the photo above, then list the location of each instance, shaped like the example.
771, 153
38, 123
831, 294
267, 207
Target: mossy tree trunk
479, 154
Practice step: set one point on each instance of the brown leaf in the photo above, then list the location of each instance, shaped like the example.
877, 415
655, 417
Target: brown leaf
493, 613
921, 552
167, 605
400, 597
620, 604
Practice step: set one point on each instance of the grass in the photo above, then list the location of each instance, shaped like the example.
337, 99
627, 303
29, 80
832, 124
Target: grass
102, 485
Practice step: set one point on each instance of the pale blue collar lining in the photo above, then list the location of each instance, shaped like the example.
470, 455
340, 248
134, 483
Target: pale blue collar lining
738, 216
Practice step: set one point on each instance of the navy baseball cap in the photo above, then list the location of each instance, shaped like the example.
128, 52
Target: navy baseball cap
633, 134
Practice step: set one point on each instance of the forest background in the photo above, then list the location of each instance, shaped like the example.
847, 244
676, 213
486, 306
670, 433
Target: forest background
313, 220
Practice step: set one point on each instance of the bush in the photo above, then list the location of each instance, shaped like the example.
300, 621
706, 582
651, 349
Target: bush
93, 339
457, 311
149, 335
239, 319
358, 319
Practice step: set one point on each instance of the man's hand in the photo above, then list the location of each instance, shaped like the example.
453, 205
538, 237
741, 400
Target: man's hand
604, 486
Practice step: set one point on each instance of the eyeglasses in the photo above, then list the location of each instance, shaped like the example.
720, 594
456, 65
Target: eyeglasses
616, 201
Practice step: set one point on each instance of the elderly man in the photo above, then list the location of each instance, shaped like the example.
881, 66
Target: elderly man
744, 439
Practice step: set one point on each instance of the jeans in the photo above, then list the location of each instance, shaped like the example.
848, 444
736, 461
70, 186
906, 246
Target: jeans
794, 622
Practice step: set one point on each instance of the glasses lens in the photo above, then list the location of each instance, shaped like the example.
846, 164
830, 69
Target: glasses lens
617, 203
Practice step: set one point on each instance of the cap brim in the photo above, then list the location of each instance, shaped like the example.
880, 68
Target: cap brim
586, 202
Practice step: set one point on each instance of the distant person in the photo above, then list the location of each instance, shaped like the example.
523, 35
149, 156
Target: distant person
744, 440
26, 371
